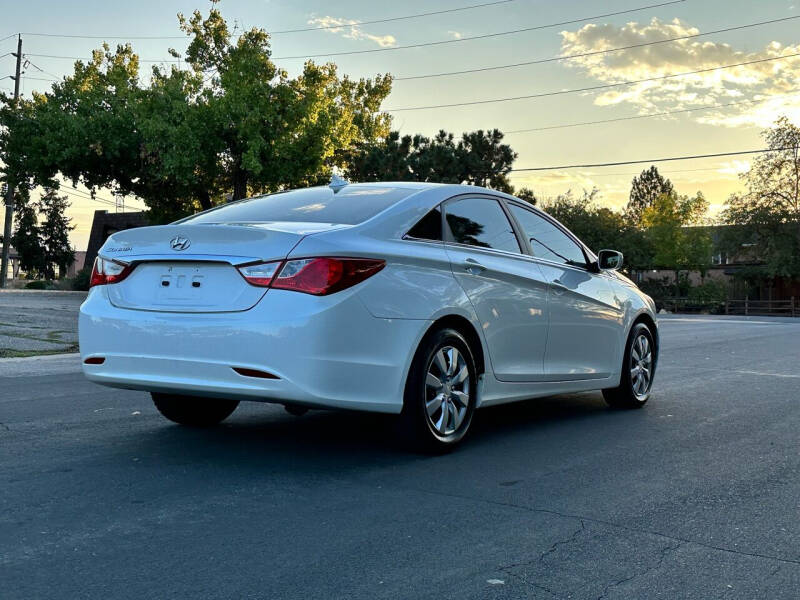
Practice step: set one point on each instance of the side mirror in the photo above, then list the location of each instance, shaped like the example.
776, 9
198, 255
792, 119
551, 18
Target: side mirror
609, 260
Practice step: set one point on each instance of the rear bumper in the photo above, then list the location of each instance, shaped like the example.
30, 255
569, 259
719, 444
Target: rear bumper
330, 352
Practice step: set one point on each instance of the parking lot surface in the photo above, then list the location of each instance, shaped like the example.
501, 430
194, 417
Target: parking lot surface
695, 496
34, 322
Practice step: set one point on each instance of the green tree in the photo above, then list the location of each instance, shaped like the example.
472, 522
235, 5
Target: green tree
646, 188
526, 194
54, 233
600, 227
275, 131
478, 158
27, 236
766, 217
41, 234
671, 227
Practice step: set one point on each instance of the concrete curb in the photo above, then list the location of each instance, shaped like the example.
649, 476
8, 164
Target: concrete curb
71, 292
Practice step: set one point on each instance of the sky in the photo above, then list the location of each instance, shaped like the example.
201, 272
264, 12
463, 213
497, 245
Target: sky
755, 94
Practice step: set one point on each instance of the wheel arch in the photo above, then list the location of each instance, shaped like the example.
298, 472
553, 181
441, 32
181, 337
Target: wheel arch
467, 329
648, 320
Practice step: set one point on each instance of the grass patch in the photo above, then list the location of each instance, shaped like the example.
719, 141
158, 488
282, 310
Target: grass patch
22, 324
22, 336
10, 353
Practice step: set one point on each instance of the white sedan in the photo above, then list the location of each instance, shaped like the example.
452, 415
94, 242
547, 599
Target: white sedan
423, 300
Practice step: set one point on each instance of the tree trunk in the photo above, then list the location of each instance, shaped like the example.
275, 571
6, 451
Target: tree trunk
205, 199
239, 180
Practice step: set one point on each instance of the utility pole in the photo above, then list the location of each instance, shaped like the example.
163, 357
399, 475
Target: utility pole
10, 191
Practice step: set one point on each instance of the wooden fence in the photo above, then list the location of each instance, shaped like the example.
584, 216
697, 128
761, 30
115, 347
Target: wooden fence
778, 308
785, 308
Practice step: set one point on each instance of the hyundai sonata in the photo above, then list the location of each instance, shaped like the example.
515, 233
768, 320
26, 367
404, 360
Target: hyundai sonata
424, 300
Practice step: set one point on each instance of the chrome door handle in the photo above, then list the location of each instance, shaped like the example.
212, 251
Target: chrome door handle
473, 266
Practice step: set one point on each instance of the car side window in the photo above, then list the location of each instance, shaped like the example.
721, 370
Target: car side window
480, 222
429, 227
547, 240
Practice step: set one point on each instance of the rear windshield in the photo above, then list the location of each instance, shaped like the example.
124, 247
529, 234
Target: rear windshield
349, 206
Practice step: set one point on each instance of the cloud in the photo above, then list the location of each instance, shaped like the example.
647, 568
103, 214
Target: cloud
734, 167
351, 30
771, 83
457, 35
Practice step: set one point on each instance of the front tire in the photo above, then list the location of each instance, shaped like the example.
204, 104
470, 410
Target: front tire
638, 368
440, 393
194, 411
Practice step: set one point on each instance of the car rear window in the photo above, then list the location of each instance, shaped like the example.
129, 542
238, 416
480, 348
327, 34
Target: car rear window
349, 206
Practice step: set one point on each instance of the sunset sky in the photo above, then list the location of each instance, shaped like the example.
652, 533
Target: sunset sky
771, 85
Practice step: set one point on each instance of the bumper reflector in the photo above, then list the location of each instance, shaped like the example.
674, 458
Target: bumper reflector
254, 373
94, 360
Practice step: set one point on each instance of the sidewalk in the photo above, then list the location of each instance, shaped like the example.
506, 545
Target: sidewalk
53, 364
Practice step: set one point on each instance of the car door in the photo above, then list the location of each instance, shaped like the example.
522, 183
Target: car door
585, 324
507, 289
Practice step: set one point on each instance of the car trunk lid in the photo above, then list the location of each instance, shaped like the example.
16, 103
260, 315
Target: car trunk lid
193, 268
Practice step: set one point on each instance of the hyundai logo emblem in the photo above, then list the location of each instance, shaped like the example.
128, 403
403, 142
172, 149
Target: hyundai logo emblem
179, 243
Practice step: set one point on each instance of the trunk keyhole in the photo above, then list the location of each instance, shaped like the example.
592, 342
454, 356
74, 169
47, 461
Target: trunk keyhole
165, 283
196, 284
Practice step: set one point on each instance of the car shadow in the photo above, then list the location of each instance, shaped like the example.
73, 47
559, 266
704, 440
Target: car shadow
334, 441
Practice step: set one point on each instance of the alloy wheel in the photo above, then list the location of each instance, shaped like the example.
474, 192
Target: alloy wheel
641, 367
447, 390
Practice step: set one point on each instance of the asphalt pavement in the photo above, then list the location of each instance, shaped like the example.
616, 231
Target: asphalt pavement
695, 496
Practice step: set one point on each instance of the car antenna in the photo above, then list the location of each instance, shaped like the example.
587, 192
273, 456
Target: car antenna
337, 183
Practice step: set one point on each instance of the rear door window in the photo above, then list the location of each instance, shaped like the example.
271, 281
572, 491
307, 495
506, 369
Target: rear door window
480, 222
429, 227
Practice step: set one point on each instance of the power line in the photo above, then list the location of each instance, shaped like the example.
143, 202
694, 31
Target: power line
484, 36
648, 116
87, 196
632, 174
392, 19
650, 160
597, 52
594, 87
41, 70
40, 78
420, 45
284, 31
144, 60
8, 37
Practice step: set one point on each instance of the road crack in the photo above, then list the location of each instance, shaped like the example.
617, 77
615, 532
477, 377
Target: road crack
663, 554
507, 569
611, 524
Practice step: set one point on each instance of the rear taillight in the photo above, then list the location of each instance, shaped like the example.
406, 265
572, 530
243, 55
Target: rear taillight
106, 271
260, 274
317, 276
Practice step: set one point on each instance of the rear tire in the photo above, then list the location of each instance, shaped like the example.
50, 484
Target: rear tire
295, 410
194, 411
638, 368
440, 393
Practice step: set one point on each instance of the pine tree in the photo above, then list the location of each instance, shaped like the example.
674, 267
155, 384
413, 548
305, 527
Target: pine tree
55, 228
27, 237
646, 188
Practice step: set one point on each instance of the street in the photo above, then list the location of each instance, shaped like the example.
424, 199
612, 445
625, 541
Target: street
695, 496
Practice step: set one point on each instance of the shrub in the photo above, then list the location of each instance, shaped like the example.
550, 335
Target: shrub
711, 292
81, 280
39, 284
